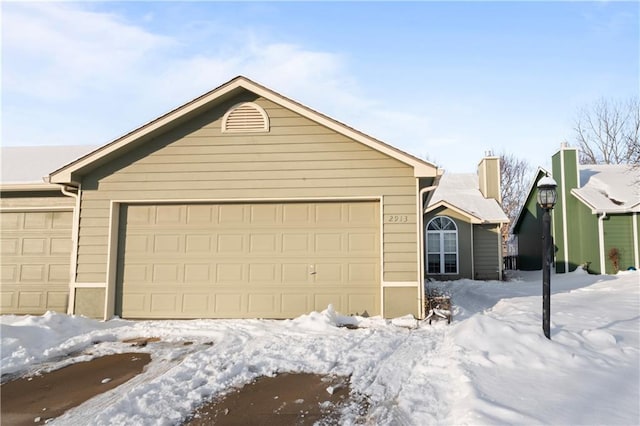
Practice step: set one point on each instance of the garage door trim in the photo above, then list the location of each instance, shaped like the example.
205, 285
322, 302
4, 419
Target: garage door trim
114, 226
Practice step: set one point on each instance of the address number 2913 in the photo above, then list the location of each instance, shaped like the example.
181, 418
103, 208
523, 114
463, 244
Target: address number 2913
397, 219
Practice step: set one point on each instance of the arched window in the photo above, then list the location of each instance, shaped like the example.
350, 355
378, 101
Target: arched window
442, 246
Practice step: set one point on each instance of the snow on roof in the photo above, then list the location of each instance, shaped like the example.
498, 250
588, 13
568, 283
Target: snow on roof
610, 187
461, 190
29, 164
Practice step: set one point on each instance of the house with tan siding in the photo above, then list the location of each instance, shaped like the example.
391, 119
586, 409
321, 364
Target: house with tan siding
242, 203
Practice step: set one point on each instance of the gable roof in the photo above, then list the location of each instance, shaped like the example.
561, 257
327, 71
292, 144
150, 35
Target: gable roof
609, 188
460, 192
25, 167
69, 173
540, 173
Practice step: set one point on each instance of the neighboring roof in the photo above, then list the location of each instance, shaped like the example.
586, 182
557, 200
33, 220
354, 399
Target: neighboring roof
68, 173
27, 166
540, 173
460, 192
609, 188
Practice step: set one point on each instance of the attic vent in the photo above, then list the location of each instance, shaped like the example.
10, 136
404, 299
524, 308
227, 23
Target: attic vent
245, 117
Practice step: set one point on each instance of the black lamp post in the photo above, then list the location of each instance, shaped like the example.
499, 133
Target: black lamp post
547, 199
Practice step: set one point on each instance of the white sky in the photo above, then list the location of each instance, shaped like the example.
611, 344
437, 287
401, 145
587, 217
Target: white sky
446, 81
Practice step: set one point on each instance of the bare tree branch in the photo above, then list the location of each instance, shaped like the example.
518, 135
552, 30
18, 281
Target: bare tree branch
514, 178
607, 132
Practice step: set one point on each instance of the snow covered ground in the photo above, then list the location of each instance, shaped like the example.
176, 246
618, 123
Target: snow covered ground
492, 365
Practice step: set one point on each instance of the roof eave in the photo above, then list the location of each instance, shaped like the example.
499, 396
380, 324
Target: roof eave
66, 174
595, 210
17, 187
472, 218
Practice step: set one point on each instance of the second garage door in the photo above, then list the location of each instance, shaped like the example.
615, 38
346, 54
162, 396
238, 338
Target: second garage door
36, 249
259, 260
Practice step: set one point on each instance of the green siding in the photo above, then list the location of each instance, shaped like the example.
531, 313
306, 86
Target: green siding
566, 182
529, 232
618, 233
585, 247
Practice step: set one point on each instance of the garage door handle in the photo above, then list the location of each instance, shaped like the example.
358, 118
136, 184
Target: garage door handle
312, 273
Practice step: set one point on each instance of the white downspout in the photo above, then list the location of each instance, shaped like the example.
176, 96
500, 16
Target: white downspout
473, 258
601, 241
500, 259
634, 220
73, 266
565, 235
421, 232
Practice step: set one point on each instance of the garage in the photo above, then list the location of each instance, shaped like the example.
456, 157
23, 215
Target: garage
36, 248
248, 260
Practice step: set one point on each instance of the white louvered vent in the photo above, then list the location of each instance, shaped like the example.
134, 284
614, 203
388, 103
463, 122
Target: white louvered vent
245, 117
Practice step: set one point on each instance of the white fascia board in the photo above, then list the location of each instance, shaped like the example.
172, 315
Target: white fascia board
472, 219
16, 187
420, 168
595, 210
64, 175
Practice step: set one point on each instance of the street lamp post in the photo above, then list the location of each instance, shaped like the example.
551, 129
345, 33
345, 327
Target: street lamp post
546, 199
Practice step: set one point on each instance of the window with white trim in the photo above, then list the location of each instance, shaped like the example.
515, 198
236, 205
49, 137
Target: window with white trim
442, 246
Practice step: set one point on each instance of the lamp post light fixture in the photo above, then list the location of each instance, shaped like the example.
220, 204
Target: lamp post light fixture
546, 199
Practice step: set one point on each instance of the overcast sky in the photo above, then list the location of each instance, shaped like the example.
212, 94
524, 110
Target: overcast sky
444, 81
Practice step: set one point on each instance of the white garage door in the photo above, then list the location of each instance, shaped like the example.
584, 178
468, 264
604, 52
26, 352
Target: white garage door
261, 260
36, 249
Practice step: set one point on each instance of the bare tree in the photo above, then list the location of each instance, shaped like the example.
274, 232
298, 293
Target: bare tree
608, 132
515, 175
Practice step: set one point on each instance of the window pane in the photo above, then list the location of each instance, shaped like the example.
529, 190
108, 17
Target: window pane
433, 243
434, 225
449, 242
433, 263
450, 263
448, 225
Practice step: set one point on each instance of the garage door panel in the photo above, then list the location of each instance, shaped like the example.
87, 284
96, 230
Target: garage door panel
135, 302
262, 302
229, 214
30, 299
263, 273
295, 243
263, 243
228, 303
361, 303
197, 273
292, 303
9, 246
195, 302
37, 220
230, 243
170, 215
274, 260
322, 300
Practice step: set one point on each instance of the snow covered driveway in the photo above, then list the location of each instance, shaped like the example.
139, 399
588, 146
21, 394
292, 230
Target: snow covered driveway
492, 365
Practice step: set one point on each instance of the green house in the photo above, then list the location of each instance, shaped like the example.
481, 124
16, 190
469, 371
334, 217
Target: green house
594, 222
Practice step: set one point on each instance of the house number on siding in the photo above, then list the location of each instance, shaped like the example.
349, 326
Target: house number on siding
397, 219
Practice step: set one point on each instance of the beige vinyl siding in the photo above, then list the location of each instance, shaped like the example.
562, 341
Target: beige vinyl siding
297, 159
485, 252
